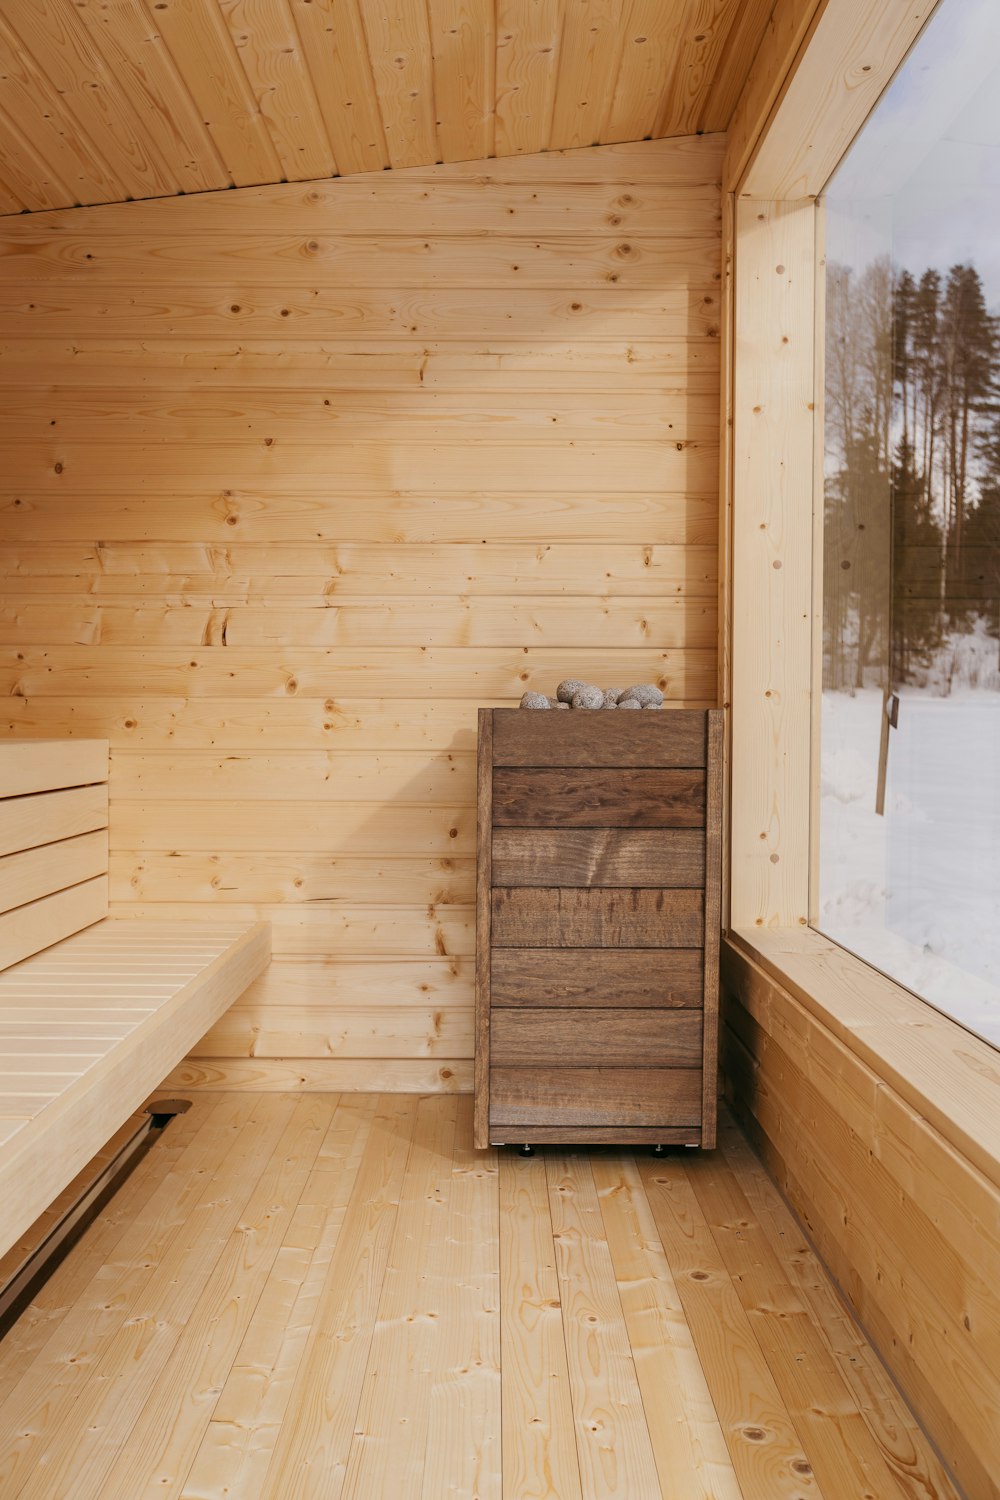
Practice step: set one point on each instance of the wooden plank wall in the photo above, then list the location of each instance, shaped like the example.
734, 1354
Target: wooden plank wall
905, 1215
295, 477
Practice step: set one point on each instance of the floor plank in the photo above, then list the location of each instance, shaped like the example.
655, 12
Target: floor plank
311, 1454
236, 1451
612, 1438
690, 1451
916, 1466
297, 1296
539, 1444
766, 1451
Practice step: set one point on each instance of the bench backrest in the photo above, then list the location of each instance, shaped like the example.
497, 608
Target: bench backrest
53, 842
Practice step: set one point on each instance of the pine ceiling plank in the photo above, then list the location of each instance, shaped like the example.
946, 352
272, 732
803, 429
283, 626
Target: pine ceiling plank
9, 202
463, 41
41, 119
707, 26
651, 32
268, 48
399, 46
733, 67
89, 89
30, 180
135, 52
199, 41
588, 64
528, 38
336, 53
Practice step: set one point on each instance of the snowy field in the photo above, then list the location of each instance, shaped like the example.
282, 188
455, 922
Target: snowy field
917, 892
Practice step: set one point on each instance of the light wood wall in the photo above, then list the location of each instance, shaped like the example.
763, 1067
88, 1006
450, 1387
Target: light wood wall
898, 1189
296, 477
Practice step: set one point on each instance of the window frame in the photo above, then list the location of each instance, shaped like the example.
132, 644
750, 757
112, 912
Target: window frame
821, 70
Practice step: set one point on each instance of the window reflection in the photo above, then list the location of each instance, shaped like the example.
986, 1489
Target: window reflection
910, 739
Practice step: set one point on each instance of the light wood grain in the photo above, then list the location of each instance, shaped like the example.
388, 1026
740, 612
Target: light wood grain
456, 440
774, 432
770, 71
392, 1424
539, 1448
764, 1444
254, 1312
852, 53
48, 919
133, 1356
31, 766
39, 872
845, 1137
312, 1452
687, 1440
94, 1094
236, 1448
612, 1436
41, 818
323, 1075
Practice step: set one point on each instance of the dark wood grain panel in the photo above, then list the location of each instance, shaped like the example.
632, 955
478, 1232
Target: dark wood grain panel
671, 977
563, 797
593, 1096
595, 857
596, 1135
484, 820
713, 922
616, 1037
527, 917
673, 737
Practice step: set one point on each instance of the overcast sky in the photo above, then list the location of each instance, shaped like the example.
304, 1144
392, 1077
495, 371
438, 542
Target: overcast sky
922, 182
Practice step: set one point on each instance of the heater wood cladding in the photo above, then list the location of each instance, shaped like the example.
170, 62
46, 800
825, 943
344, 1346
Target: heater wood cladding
597, 927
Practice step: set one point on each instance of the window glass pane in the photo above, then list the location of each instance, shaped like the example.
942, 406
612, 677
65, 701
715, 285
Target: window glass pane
909, 866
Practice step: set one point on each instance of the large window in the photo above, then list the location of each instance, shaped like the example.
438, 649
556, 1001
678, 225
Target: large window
909, 855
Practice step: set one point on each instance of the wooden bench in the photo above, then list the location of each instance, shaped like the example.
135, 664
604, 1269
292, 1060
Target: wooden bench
94, 1011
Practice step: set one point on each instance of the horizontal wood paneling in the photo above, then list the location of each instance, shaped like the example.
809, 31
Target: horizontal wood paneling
27, 822
592, 1096
297, 476
588, 976
532, 918
592, 740
598, 857
324, 1075
908, 1223
584, 798
32, 766
47, 920
38, 872
591, 1037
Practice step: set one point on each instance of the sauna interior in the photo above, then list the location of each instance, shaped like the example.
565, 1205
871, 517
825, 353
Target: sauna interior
364, 365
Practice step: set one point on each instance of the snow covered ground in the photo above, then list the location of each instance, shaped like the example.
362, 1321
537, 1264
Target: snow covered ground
917, 892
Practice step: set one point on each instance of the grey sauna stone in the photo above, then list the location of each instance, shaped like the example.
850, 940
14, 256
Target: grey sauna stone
567, 688
558, 705
588, 697
611, 697
630, 703
645, 693
656, 707
534, 700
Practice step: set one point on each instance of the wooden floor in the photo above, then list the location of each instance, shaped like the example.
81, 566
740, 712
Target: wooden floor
336, 1296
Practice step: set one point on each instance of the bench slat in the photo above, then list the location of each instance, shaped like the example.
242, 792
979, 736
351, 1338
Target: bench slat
212, 966
27, 822
34, 873
33, 926
49, 765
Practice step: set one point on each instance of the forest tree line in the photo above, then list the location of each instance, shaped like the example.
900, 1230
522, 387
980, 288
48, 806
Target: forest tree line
912, 503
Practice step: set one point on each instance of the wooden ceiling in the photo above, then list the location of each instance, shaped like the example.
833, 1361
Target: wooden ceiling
107, 100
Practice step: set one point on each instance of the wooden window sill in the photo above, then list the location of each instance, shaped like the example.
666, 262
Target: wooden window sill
945, 1072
